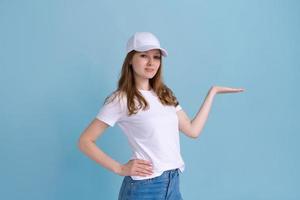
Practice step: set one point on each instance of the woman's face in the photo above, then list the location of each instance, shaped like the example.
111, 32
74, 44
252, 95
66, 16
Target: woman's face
145, 64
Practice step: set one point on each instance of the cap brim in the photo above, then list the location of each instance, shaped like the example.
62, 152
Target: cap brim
149, 47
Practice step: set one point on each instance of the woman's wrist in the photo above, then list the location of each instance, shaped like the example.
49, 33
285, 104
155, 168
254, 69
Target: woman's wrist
118, 169
212, 91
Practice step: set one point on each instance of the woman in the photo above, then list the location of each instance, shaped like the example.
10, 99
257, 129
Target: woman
150, 116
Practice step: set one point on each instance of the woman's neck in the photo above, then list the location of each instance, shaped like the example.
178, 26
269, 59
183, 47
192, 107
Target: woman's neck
143, 85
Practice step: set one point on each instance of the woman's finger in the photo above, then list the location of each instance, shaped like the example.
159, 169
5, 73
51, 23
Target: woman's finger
141, 173
145, 169
228, 90
145, 162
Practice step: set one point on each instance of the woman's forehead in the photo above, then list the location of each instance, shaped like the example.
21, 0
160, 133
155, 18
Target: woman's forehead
151, 51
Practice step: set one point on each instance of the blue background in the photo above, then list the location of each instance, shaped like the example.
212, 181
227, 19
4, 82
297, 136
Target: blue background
60, 59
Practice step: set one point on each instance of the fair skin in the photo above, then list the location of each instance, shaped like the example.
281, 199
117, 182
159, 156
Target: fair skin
145, 65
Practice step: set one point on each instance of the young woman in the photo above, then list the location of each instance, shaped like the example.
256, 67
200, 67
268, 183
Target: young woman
151, 117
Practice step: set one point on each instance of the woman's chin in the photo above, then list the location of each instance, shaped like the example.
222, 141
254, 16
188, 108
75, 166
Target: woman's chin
149, 76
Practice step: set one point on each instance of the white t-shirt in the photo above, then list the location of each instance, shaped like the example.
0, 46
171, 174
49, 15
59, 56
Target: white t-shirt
153, 134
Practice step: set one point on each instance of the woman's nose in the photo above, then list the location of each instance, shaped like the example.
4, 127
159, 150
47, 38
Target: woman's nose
150, 61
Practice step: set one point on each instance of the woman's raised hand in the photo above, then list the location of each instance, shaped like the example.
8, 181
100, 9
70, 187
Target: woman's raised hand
136, 167
220, 89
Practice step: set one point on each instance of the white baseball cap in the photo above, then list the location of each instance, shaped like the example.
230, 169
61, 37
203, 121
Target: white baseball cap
144, 41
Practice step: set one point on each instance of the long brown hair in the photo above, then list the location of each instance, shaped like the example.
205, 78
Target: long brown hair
127, 87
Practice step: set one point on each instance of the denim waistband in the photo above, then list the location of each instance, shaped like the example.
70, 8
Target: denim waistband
169, 173
165, 176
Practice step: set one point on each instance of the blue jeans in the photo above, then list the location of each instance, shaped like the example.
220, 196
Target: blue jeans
165, 186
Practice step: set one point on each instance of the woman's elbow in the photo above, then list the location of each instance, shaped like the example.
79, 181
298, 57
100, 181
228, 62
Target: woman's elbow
194, 134
82, 143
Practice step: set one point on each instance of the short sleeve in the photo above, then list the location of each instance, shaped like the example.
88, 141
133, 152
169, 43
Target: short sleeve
111, 112
178, 107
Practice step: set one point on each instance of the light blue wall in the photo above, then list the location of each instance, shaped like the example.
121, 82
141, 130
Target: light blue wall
60, 59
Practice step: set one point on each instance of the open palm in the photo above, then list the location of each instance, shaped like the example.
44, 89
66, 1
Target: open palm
220, 89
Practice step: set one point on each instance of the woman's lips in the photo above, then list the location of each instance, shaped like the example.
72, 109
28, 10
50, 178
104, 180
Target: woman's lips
149, 70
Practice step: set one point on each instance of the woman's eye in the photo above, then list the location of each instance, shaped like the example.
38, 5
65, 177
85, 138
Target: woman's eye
155, 57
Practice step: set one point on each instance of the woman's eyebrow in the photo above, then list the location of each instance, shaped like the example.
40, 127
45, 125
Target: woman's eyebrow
156, 54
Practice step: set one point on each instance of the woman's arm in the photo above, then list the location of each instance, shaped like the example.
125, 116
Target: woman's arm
86, 144
194, 128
